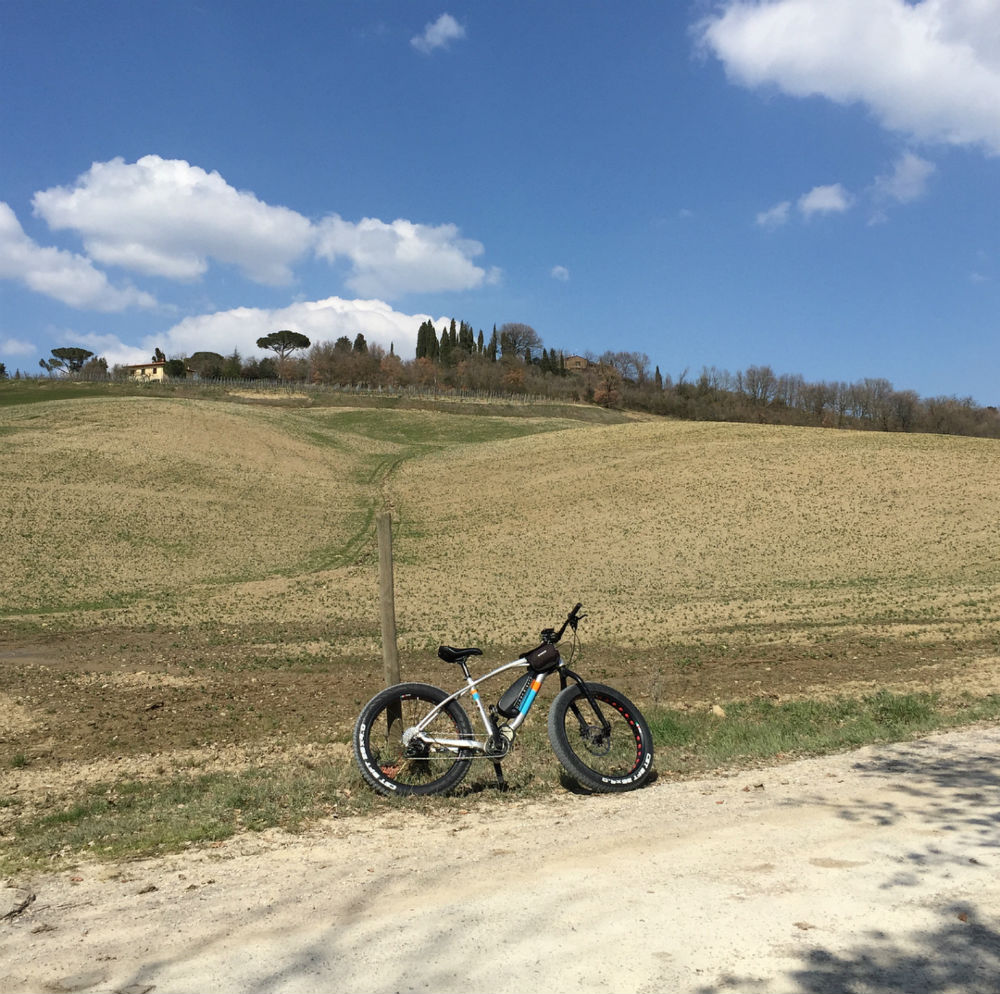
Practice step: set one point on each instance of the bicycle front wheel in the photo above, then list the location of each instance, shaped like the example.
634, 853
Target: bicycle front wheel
418, 768
618, 759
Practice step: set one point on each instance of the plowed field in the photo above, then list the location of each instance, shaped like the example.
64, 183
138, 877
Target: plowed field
191, 582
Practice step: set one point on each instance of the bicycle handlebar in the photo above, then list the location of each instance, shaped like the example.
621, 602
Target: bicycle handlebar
572, 619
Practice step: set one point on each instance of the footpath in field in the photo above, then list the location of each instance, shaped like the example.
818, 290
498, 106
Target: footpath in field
874, 871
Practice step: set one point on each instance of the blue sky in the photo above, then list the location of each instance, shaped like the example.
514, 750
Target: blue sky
808, 184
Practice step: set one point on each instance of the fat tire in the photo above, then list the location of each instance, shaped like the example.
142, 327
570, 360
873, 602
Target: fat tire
623, 763
382, 760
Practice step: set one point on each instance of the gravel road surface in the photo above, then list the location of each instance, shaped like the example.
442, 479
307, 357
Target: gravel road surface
874, 871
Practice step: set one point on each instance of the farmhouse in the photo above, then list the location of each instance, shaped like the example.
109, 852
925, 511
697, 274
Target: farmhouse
147, 371
575, 363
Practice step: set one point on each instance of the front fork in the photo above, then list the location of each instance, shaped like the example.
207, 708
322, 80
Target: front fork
566, 672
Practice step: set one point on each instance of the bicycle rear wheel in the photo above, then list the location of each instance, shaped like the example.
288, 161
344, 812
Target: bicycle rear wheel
617, 760
392, 768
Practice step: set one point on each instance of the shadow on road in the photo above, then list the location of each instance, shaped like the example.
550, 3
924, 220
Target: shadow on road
952, 800
961, 956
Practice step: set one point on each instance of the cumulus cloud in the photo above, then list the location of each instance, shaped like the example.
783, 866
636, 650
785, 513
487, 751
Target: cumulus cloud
64, 276
402, 257
165, 217
776, 216
930, 69
239, 328
168, 218
438, 34
15, 346
560, 273
832, 199
907, 181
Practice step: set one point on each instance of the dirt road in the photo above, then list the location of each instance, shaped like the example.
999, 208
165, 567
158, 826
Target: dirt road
877, 871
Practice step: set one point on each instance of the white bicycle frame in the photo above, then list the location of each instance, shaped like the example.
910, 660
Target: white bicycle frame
416, 732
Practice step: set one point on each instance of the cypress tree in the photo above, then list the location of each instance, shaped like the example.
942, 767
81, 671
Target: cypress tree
422, 341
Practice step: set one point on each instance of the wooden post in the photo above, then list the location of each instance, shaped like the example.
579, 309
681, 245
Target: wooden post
387, 599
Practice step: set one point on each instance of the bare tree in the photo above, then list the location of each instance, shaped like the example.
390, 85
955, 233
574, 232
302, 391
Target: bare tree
517, 339
817, 398
607, 385
759, 384
632, 366
789, 389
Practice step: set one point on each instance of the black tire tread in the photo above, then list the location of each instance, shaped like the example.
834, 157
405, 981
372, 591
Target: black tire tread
370, 713
576, 764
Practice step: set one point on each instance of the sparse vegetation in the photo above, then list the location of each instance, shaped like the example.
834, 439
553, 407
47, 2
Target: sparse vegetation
166, 639
131, 817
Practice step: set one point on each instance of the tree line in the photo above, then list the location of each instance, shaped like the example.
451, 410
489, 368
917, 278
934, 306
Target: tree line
759, 394
513, 359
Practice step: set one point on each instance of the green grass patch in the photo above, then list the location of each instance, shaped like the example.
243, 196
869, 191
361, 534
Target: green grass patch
433, 429
128, 819
15, 392
136, 818
762, 730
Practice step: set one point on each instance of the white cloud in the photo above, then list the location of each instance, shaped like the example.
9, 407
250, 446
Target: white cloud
908, 180
560, 273
168, 218
64, 276
930, 70
833, 199
319, 320
165, 217
14, 346
402, 257
776, 216
438, 34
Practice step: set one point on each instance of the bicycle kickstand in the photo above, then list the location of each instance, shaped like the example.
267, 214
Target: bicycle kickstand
501, 783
